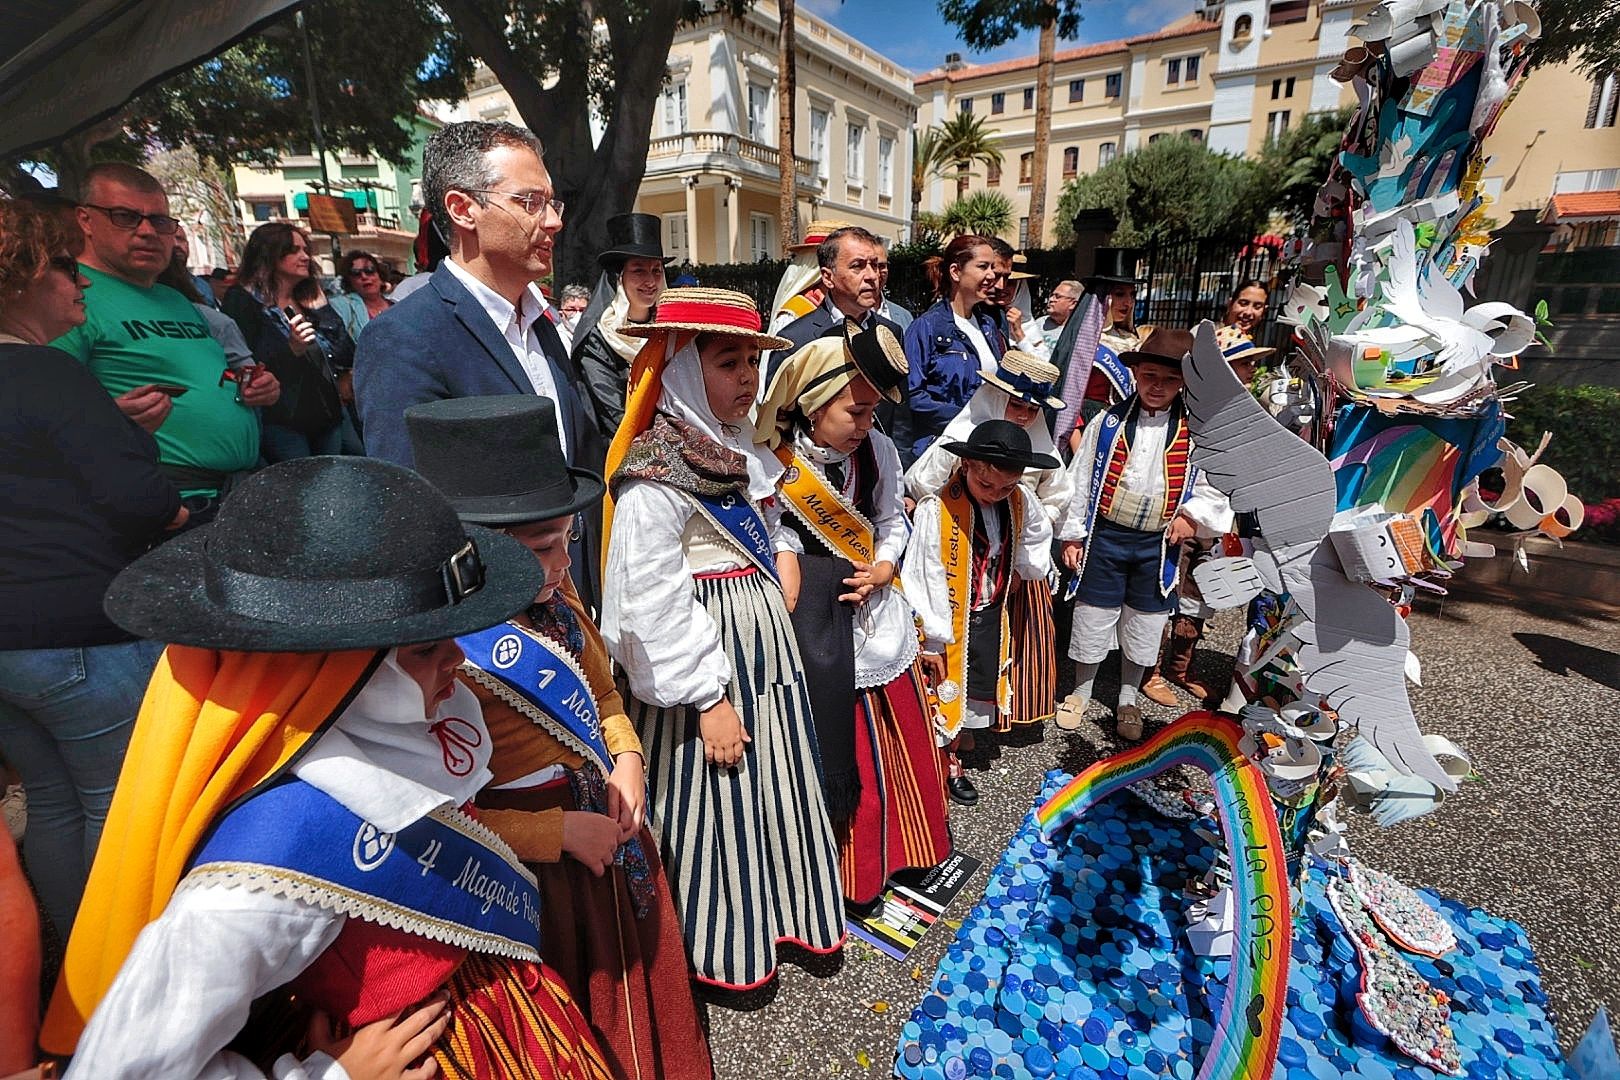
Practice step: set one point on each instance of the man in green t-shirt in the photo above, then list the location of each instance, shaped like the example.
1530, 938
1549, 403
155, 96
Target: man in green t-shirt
149, 346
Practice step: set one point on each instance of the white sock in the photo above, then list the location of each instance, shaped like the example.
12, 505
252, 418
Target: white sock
1130, 677
1085, 675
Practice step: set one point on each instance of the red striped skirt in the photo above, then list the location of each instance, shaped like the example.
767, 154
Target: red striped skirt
1034, 655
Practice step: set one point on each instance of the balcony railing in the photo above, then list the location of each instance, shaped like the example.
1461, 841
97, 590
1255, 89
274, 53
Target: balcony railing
366, 223
724, 145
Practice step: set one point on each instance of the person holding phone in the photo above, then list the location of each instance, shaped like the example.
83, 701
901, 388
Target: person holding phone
283, 335
138, 332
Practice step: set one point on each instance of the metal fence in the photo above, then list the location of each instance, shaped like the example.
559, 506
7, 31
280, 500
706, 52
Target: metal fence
1189, 280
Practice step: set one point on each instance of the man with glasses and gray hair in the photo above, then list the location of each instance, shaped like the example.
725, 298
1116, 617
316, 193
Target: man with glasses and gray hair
150, 347
479, 326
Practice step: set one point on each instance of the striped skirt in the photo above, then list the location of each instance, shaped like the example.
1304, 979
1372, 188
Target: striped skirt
1034, 655
748, 851
900, 820
515, 1020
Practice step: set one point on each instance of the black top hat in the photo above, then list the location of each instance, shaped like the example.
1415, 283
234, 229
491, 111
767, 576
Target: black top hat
879, 357
1114, 266
498, 459
322, 554
1002, 442
1163, 346
633, 236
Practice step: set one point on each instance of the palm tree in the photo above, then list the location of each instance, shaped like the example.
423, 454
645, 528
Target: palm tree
965, 141
987, 213
925, 163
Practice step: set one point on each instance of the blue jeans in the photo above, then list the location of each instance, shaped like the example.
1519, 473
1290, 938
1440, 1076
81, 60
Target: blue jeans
65, 721
284, 443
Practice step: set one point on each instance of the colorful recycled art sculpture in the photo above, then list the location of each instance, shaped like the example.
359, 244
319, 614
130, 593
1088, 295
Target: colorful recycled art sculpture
1227, 932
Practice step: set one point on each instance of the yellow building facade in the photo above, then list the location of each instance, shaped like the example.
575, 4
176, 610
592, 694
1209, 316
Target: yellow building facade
1236, 74
713, 165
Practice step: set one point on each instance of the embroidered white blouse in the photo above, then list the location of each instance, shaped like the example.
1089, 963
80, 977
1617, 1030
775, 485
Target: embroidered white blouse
1144, 474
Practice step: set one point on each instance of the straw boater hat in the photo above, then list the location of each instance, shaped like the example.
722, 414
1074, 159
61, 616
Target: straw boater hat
1020, 260
1236, 345
1027, 378
708, 311
817, 232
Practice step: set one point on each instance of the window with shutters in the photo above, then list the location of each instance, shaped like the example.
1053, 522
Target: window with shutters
1105, 154
855, 154
1111, 85
1172, 71
998, 103
1026, 167
992, 174
885, 167
759, 113
1029, 97
759, 229
1284, 12
965, 106
1600, 110
1276, 124
675, 237
818, 141
1190, 70
1077, 90
1023, 232
674, 108
1071, 161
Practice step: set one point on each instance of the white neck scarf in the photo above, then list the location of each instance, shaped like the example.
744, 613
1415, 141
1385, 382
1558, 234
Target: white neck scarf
385, 760
683, 396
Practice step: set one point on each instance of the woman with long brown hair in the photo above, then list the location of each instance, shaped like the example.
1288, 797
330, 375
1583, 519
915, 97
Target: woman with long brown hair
950, 345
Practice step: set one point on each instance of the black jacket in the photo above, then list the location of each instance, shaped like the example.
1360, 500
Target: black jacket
80, 497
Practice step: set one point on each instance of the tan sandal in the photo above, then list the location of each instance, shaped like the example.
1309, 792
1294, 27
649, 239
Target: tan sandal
1128, 723
1070, 710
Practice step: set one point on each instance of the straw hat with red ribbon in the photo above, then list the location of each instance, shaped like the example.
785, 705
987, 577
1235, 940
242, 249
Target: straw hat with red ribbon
817, 232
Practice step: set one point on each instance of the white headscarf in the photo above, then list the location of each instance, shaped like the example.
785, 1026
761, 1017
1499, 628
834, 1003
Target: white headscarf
385, 760
683, 396
990, 403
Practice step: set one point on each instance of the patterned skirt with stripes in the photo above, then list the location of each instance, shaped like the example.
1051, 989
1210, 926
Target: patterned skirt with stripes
900, 820
515, 1020
1034, 655
748, 851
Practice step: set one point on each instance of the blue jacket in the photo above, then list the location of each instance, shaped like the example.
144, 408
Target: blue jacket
944, 369
439, 343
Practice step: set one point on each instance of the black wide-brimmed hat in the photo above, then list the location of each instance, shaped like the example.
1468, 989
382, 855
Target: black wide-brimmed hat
323, 554
633, 236
498, 459
1114, 266
1163, 346
1002, 442
880, 358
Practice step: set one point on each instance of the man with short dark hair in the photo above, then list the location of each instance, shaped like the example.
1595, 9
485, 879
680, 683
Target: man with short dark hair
479, 326
150, 347
851, 260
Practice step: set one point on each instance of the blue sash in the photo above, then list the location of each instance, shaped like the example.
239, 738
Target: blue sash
443, 877
524, 668
1118, 375
735, 516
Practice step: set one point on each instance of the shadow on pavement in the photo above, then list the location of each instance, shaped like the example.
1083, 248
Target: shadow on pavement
1563, 657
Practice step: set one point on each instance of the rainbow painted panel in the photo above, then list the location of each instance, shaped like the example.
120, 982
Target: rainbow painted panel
1246, 1038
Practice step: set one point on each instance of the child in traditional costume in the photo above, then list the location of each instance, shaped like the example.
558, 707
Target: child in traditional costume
564, 750
1137, 499
845, 520
968, 542
289, 821
1019, 390
1114, 283
693, 612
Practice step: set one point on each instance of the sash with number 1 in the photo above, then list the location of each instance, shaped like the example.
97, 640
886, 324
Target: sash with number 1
540, 680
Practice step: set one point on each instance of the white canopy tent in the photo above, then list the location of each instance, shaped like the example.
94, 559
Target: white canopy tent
65, 64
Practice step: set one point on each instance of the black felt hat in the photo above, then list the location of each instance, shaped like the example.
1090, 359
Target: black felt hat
1114, 266
498, 459
633, 236
322, 554
880, 358
1002, 442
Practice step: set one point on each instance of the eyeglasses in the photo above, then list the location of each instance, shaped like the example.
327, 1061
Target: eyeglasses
531, 201
356, 271
67, 264
123, 217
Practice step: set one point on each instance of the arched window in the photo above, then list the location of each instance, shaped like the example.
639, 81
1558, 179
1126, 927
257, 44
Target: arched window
1071, 160
1242, 26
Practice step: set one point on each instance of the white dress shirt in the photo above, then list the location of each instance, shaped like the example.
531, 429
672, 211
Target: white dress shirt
1143, 475
516, 324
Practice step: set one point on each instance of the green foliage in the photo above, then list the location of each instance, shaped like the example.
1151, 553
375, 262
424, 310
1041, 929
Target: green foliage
1585, 422
1294, 167
925, 161
985, 24
927, 235
1173, 187
1584, 31
965, 141
988, 213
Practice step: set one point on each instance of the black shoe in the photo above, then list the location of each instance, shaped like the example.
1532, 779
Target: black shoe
962, 790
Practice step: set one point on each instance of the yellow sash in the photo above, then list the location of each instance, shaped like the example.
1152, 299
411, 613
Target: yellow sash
956, 555
826, 512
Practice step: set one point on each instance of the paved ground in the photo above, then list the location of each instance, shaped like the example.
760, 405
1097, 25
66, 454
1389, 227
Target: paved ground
1533, 695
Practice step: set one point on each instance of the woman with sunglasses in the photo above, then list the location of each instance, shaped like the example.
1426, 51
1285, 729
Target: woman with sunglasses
362, 298
80, 497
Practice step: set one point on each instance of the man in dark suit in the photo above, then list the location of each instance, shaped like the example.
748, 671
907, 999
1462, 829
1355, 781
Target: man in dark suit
852, 262
479, 326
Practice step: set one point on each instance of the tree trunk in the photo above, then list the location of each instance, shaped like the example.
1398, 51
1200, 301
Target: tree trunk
787, 210
599, 180
1043, 135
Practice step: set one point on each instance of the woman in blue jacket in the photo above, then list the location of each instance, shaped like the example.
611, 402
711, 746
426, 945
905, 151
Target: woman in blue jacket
950, 344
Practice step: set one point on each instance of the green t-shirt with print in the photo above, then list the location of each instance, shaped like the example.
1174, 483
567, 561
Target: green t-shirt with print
133, 336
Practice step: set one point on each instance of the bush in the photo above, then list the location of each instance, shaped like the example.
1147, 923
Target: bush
1174, 187
1585, 423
